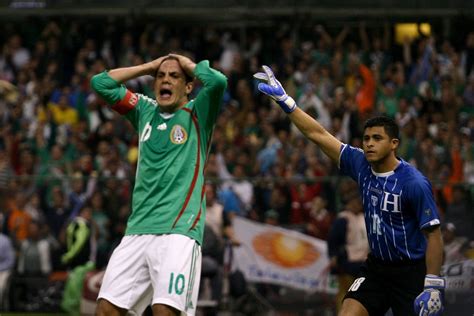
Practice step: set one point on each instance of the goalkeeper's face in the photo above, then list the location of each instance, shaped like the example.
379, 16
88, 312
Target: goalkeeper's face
378, 145
171, 87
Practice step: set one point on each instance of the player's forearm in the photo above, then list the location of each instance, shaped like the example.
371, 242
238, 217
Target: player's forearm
124, 74
307, 125
211, 78
316, 133
434, 252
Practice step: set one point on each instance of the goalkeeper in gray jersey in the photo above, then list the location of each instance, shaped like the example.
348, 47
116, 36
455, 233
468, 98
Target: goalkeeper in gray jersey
158, 261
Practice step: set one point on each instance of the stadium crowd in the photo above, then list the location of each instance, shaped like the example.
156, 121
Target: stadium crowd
65, 155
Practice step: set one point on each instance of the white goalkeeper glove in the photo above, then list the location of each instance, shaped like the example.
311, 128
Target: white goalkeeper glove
430, 301
273, 88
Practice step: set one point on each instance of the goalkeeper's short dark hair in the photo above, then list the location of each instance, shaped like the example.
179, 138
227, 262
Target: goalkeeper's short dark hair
389, 125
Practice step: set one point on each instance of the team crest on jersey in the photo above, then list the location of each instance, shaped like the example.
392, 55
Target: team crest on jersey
374, 200
178, 135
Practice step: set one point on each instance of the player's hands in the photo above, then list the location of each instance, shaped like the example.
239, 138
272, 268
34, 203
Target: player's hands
273, 88
155, 64
186, 63
430, 301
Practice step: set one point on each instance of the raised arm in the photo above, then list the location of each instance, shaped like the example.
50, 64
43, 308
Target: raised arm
311, 128
109, 86
209, 99
186, 63
211, 78
124, 74
316, 133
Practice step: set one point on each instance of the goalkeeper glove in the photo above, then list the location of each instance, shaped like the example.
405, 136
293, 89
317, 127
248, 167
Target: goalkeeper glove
430, 301
273, 88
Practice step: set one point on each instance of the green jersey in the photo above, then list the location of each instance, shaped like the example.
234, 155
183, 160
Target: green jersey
168, 196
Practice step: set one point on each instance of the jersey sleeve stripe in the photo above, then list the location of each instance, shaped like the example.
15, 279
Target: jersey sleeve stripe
343, 147
196, 169
127, 104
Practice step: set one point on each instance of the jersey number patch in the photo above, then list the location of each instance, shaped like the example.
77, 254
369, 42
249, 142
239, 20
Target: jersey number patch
146, 132
376, 229
355, 286
176, 285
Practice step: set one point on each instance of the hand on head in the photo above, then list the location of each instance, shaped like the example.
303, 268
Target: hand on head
186, 63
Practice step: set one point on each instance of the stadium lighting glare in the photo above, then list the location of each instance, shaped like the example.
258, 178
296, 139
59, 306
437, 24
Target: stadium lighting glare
411, 31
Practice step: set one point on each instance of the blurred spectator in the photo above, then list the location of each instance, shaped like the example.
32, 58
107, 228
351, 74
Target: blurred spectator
309, 100
7, 264
454, 245
459, 212
6, 171
271, 218
217, 230
56, 211
80, 192
347, 245
320, 219
301, 197
469, 94
215, 216
469, 54
236, 182
103, 225
33, 208
365, 85
212, 269
230, 201
34, 255
19, 55
63, 113
80, 240
34, 266
19, 220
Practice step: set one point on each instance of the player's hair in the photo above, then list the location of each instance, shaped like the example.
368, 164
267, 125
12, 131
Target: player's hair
187, 77
389, 125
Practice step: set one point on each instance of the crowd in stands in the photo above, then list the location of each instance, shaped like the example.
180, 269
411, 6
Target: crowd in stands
64, 153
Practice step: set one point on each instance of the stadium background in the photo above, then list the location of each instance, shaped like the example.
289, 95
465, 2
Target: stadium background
61, 148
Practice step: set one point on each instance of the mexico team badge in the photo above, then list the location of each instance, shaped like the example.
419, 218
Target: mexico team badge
178, 135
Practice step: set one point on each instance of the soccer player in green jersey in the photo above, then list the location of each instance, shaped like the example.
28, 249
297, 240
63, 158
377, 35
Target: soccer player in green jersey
158, 261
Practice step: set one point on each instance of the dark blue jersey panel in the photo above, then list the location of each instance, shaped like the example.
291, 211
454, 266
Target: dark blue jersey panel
397, 205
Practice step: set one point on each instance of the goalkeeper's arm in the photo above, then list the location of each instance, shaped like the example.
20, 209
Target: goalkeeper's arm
434, 250
430, 301
314, 131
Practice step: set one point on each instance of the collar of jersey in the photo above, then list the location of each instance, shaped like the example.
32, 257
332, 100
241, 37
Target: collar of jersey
388, 173
166, 115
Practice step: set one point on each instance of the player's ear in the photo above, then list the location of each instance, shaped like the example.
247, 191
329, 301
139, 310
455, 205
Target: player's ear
189, 87
395, 143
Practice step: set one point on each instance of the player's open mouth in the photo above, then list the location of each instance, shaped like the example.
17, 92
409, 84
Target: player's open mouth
165, 93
